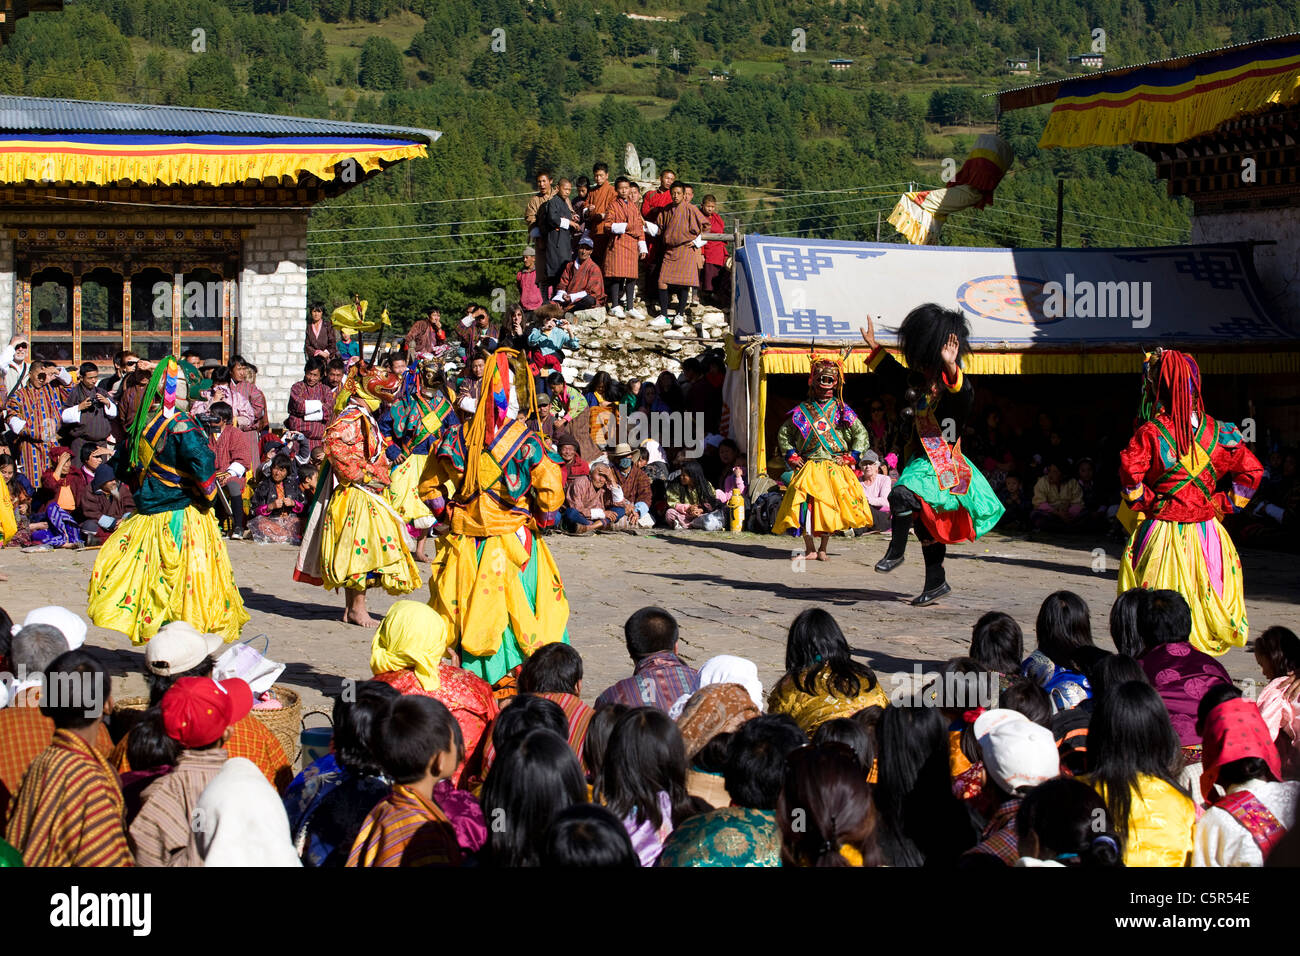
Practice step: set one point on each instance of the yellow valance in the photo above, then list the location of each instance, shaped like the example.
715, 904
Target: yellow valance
98, 159
1158, 105
789, 361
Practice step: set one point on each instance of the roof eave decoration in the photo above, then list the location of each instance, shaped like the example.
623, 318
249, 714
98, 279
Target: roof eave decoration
1169, 102
206, 160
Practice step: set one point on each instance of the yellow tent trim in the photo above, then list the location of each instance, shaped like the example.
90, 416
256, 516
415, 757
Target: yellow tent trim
787, 361
1153, 113
187, 164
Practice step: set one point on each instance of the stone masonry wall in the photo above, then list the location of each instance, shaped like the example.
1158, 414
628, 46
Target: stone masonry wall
1278, 265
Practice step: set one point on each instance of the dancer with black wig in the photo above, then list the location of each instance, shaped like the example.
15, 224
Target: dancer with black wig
954, 501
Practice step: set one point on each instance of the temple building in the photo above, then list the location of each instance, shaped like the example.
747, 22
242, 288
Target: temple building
165, 229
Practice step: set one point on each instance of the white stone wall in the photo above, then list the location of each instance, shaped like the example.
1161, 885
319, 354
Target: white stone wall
273, 306
1278, 265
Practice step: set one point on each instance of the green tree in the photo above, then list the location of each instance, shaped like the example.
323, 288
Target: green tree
381, 65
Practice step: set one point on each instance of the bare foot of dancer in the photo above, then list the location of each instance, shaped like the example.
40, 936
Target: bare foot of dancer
355, 611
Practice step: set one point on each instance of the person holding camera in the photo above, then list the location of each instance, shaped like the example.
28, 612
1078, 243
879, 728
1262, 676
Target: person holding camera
230, 449
34, 413
88, 410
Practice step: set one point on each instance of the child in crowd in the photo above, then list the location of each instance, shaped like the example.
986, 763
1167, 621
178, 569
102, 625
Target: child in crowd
419, 744
197, 713
277, 506
1277, 652
1017, 504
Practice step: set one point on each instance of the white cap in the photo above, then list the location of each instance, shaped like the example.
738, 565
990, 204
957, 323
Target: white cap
70, 625
1018, 753
177, 648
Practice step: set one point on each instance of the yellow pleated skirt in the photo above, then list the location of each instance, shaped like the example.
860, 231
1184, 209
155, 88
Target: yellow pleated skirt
824, 497
1189, 558
404, 489
362, 535
481, 588
166, 567
8, 523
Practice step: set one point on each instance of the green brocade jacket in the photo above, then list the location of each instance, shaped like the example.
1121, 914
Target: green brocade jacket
816, 431
177, 466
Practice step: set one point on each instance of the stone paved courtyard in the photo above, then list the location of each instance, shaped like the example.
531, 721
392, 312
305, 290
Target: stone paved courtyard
731, 593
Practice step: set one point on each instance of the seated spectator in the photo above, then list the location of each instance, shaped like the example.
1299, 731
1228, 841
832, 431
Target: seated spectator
630, 475
602, 725
594, 502
1124, 622
1277, 652
278, 505
1132, 750
534, 780
658, 677
998, 645
876, 485
712, 712
554, 671
21, 494
419, 745
24, 730
921, 823
588, 835
1018, 755
177, 651
69, 809
477, 331
574, 465
1251, 809
691, 499
567, 402
581, 285
230, 449
839, 822
1056, 825
244, 822
328, 802
409, 652
1097, 507
1179, 672
549, 337
153, 754
1058, 502
822, 680
311, 403
643, 780
1065, 650
1017, 504
197, 713
104, 502
57, 501
851, 733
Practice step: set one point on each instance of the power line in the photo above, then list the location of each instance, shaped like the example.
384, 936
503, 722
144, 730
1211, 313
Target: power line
414, 225
405, 265
329, 256
430, 236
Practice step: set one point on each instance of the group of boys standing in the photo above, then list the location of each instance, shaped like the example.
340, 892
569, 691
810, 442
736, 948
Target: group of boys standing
598, 247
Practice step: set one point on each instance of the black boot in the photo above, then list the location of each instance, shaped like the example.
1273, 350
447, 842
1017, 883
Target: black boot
936, 583
899, 529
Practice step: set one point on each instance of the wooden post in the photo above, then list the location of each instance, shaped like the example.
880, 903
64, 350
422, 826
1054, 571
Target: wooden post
1060, 209
877, 225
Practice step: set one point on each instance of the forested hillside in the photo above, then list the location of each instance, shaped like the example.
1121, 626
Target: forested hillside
788, 145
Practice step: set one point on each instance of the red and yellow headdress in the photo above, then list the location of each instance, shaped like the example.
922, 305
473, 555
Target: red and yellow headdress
373, 384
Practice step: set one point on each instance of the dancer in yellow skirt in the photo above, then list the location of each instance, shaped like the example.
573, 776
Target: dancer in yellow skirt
494, 580
355, 539
1168, 475
823, 439
166, 562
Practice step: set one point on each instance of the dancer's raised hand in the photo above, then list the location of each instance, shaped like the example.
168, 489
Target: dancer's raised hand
869, 334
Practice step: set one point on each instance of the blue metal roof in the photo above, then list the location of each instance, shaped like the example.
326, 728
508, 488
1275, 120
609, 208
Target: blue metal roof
27, 114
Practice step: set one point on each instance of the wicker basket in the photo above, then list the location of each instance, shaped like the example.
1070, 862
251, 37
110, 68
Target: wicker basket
285, 723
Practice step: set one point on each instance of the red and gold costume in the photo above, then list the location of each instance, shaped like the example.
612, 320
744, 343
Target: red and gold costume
623, 257
355, 538
1168, 478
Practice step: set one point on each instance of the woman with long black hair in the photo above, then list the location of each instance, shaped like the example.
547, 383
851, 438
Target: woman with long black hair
643, 779
1134, 760
1065, 650
529, 785
822, 680
920, 822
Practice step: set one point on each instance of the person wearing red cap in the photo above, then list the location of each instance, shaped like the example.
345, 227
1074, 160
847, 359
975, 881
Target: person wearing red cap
197, 712
1251, 809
